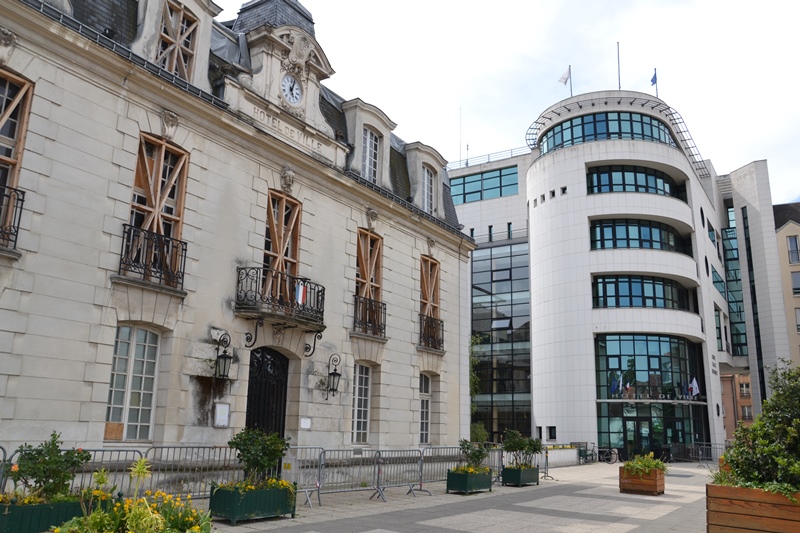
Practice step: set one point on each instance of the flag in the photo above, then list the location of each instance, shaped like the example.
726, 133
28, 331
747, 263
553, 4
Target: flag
654, 79
694, 388
300, 294
614, 384
565, 78
685, 390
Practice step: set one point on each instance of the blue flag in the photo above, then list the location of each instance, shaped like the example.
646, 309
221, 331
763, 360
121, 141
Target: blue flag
654, 79
614, 384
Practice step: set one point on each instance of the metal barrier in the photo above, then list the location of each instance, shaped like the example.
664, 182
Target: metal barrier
301, 465
185, 470
2, 469
116, 462
347, 470
436, 461
399, 468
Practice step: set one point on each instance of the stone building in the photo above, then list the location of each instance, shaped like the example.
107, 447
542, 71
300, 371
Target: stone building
177, 191
787, 231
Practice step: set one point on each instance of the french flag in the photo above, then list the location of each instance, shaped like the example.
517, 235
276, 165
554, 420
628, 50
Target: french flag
300, 294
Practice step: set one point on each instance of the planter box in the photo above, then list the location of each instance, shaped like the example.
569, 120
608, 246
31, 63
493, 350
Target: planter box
651, 483
732, 509
265, 503
520, 476
36, 518
466, 483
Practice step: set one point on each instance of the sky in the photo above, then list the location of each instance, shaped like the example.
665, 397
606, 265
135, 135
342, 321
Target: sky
470, 80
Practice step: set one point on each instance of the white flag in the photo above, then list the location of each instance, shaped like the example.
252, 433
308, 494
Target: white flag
694, 388
565, 78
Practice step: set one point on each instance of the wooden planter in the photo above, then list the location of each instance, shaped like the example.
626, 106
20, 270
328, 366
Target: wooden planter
520, 476
36, 518
466, 483
651, 483
233, 505
732, 509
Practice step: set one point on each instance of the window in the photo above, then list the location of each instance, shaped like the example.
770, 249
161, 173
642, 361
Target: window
131, 390
747, 412
428, 178
627, 178
632, 233
431, 328
638, 291
744, 389
600, 126
718, 324
370, 314
361, 404
424, 409
719, 283
563, 190
797, 319
15, 98
539, 432
281, 246
369, 156
796, 283
177, 40
551, 433
484, 186
553, 193
152, 246
794, 253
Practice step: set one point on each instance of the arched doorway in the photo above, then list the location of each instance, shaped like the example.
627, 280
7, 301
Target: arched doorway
266, 392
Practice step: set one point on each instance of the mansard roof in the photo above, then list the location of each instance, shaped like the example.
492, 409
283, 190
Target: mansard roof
785, 213
274, 13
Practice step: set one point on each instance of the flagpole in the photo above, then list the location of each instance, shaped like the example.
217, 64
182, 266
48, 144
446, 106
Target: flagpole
655, 75
570, 83
619, 78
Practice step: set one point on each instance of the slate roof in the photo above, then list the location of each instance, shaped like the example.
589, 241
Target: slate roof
785, 213
274, 13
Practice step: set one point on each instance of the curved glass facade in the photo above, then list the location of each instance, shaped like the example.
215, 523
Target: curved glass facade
632, 233
638, 291
602, 126
629, 178
646, 392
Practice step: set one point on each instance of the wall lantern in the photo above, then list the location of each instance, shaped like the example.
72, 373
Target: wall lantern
333, 376
222, 367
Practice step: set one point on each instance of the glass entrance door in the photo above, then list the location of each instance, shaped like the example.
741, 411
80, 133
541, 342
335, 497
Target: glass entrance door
637, 437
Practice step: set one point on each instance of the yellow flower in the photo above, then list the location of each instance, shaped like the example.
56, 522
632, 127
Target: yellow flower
15, 468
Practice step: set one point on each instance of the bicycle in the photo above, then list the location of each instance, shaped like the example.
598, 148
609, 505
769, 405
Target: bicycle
589, 455
608, 455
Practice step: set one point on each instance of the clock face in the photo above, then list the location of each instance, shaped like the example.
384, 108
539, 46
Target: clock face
291, 89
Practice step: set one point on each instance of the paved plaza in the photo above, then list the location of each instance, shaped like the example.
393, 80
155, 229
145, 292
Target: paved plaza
578, 499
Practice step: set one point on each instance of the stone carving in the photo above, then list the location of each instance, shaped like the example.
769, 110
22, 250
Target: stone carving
169, 124
7, 43
295, 60
372, 217
277, 335
431, 244
287, 179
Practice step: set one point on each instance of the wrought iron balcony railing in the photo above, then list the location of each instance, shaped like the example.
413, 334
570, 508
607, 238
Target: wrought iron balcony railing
431, 332
280, 293
11, 201
369, 316
152, 257
794, 256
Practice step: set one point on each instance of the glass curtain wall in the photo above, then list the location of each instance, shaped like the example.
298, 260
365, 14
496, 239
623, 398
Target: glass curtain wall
501, 323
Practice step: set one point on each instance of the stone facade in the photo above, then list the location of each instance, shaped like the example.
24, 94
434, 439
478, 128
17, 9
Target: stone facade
70, 288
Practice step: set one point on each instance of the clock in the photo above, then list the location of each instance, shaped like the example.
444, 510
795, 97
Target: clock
291, 89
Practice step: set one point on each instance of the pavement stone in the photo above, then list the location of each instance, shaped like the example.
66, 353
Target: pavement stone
577, 499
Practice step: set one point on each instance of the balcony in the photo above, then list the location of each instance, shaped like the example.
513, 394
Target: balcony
369, 317
279, 297
152, 257
11, 201
431, 332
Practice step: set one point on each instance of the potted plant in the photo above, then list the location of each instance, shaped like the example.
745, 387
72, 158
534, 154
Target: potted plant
41, 477
150, 513
760, 486
642, 474
472, 476
521, 450
262, 493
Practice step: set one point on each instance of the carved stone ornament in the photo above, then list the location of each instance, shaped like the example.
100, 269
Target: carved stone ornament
7, 43
431, 244
295, 60
169, 124
277, 335
287, 179
372, 217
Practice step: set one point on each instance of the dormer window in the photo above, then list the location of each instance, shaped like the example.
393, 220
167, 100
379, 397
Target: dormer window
428, 178
369, 156
177, 41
